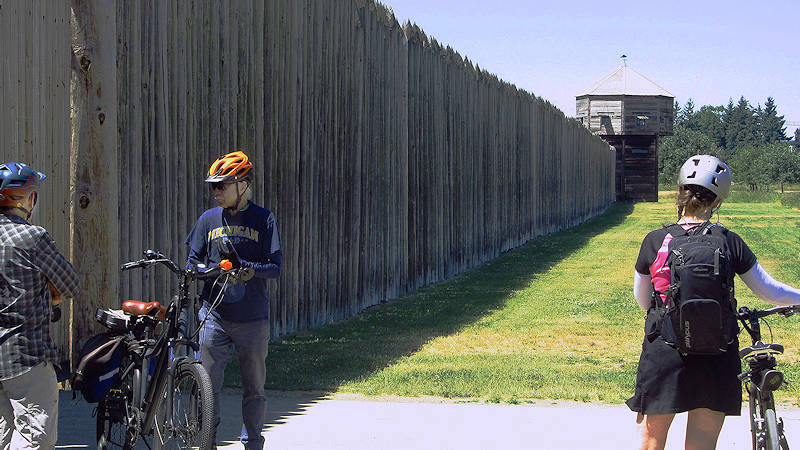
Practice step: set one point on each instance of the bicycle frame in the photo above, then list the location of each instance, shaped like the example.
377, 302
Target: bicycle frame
164, 373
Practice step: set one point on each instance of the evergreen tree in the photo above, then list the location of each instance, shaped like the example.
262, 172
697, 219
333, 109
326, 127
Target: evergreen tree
758, 114
686, 117
709, 120
740, 126
751, 140
727, 125
772, 125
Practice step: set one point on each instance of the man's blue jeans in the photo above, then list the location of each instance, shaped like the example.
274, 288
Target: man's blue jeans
251, 342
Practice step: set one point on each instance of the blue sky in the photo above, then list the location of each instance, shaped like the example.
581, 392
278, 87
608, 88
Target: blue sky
709, 51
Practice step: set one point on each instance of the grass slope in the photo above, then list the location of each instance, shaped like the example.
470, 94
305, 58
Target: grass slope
554, 319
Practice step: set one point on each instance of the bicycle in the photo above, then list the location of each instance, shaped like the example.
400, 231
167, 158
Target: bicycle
763, 379
161, 396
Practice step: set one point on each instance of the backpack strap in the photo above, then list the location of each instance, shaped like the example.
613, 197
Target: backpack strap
715, 229
656, 302
675, 230
704, 228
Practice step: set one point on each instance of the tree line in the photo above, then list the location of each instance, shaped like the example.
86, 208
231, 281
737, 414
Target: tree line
751, 140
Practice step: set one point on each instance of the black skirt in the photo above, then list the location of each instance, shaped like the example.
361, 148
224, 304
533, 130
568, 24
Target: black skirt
668, 382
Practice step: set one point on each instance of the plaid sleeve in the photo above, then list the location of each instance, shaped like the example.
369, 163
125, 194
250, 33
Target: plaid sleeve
55, 266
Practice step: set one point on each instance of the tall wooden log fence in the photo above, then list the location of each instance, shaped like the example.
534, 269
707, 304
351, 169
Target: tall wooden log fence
389, 160
35, 112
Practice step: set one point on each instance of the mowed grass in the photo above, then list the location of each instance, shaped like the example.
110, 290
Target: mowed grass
554, 319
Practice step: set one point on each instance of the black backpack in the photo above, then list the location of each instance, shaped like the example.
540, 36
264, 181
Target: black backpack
701, 318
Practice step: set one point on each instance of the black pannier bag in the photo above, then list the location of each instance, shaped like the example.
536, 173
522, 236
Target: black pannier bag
701, 317
98, 367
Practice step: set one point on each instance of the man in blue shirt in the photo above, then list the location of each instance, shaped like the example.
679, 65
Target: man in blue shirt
239, 315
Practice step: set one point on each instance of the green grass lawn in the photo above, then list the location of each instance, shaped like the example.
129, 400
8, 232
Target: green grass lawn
554, 319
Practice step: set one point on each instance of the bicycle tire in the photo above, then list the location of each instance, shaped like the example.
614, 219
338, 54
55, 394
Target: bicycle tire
192, 411
771, 429
783, 443
755, 409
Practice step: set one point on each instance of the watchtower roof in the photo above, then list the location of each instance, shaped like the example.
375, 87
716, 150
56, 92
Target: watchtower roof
625, 81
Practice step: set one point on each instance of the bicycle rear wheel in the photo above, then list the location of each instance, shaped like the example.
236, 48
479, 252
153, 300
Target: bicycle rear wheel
113, 424
192, 411
771, 428
755, 420
767, 434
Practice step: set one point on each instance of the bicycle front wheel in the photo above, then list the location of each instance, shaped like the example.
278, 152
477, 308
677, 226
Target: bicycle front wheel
189, 421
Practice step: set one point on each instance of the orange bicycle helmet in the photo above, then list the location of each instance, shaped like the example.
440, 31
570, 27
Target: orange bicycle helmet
234, 166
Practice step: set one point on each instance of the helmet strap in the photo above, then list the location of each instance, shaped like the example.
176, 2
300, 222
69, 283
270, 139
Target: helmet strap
34, 201
31, 199
235, 208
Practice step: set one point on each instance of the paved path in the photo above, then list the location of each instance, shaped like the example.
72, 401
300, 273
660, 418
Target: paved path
306, 421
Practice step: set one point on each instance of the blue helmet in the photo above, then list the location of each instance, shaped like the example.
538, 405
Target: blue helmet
16, 181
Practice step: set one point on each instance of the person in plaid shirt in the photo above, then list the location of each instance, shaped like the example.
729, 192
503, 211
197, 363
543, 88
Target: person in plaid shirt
33, 276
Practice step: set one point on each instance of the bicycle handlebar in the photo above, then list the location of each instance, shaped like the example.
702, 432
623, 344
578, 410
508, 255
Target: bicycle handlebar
152, 257
746, 313
149, 262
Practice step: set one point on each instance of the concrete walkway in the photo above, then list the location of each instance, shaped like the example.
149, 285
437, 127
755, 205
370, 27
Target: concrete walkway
308, 421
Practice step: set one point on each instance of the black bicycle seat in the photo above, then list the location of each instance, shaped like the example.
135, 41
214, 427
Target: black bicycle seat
760, 348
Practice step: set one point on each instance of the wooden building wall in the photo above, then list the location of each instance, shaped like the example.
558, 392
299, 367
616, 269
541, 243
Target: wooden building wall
35, 112
389, 161
623, 112
616, 118
658, 111
636, 176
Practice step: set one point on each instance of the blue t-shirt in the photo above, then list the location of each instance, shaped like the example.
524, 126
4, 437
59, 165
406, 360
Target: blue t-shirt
254, 234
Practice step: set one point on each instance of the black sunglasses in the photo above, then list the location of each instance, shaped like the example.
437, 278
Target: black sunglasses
219, 186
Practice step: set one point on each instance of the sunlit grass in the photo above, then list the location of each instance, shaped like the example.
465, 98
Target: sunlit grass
554, 319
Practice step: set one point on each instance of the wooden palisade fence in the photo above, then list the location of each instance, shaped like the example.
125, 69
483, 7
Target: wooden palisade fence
35, 124
389, 161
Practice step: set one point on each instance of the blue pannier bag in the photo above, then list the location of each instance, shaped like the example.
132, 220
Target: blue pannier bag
98, 367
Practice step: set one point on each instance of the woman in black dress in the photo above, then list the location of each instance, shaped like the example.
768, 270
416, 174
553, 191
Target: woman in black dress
668, 382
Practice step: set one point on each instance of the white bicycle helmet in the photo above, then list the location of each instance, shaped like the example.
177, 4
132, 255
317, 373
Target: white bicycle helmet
707, 171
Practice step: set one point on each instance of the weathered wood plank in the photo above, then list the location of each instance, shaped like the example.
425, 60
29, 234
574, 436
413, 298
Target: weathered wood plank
95, 239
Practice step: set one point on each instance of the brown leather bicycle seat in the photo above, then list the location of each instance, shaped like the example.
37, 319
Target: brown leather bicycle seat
137, 308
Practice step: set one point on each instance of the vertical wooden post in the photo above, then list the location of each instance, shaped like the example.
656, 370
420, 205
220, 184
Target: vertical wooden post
94, 183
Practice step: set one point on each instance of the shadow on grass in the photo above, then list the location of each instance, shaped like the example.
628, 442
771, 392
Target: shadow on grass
324, 358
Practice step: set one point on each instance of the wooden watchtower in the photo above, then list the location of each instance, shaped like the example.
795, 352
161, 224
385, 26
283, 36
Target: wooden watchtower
629, 112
